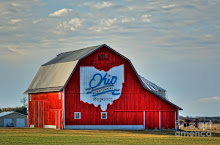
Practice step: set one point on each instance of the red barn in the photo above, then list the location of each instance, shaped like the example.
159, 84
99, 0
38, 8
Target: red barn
97, 88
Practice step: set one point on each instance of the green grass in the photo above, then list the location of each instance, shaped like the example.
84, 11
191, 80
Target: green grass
50, 136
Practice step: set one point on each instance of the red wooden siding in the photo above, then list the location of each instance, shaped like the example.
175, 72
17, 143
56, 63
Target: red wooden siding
168, 120
45, 109
152, 120
134, 97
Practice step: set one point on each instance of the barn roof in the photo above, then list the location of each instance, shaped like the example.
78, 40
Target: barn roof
72, 55
153, 87
150, 85
53, 75
2, 114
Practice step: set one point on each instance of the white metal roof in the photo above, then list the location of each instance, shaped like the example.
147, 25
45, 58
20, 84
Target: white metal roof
153, 87
72, 55
51, 77
5, 113
10, 112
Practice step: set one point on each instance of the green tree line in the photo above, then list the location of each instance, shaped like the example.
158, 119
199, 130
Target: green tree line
22, 109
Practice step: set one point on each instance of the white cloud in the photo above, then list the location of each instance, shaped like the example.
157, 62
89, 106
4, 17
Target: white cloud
15, 4
14, 21
37, 21
72, 24
60, 12
209, 36
168, 6
14, 49
108, 22
130, 8
97, 5
146, 18
105, 24
103, 5
127, 20
210, 99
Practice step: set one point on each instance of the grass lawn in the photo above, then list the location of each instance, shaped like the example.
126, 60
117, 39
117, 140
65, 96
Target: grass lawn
50, 136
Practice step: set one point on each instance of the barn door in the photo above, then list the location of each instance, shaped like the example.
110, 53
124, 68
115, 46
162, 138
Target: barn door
41, 114
58, 119
31, 114
35, 114
38, 114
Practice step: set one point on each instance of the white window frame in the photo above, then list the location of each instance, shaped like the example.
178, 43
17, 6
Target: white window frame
77, 113
30, 97
104, 113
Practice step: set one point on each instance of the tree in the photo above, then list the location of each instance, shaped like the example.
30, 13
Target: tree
23, 109
24, 102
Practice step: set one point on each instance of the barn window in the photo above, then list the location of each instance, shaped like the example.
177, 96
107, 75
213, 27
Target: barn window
103, 115
59, 95
30, 97
103, 57
77, 115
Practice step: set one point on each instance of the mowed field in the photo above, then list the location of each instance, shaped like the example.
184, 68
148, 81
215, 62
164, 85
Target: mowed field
51, 136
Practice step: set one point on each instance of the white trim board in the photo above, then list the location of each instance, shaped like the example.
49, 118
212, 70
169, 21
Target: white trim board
63, 108
106, 127
50, 126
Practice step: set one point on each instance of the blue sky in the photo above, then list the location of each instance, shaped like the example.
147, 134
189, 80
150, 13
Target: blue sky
173, 43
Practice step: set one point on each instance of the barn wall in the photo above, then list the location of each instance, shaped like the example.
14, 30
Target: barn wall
45, 110
128, 109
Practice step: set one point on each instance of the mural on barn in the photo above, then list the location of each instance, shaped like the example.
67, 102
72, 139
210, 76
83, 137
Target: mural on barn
101, 87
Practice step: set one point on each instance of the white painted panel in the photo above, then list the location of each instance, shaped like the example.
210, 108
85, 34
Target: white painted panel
20, 122
50, 126
101, 88
6, 121
106, 127
31, 125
